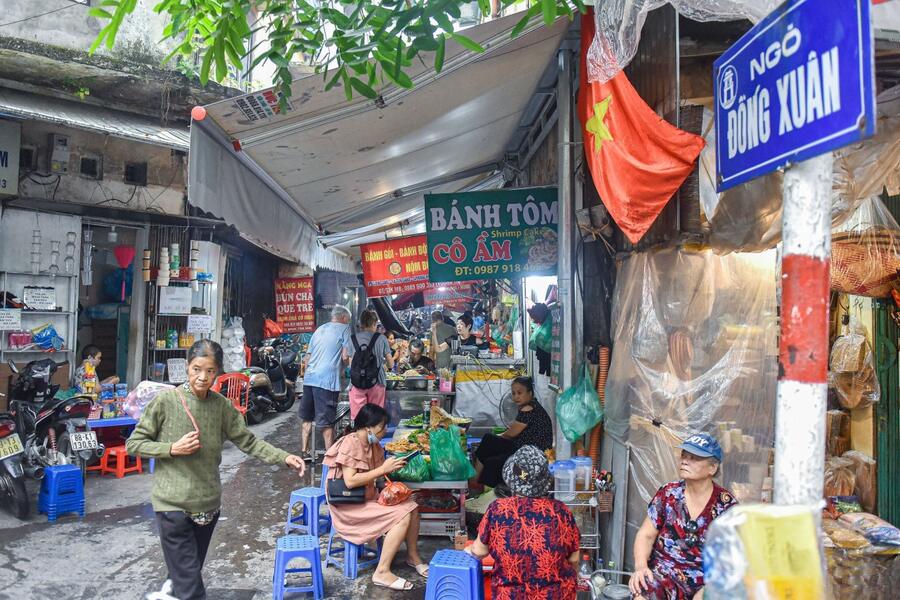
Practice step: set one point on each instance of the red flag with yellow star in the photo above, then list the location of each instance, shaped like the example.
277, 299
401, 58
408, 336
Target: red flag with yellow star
637, 159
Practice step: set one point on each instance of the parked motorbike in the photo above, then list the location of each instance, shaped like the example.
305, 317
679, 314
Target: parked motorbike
53, 431
12, 476
273, 384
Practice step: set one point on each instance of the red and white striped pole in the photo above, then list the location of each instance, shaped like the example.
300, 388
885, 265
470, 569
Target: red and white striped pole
803, 350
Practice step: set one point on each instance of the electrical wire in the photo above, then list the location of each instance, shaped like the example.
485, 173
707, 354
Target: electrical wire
38, 16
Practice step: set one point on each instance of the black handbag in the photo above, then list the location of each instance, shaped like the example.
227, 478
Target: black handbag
339, 493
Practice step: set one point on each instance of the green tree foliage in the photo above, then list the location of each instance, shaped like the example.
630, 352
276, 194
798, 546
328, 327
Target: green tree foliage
362, 45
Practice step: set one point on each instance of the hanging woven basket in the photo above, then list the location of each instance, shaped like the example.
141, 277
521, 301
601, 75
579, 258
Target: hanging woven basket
865, 263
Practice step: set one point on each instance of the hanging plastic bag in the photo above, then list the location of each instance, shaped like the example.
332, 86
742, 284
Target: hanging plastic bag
448, 460
416, 470
578, 408
839, 477
865, 251
852, 373
757, 551
272, 329
394, 493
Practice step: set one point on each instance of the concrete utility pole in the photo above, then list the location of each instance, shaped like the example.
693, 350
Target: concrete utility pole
803, 351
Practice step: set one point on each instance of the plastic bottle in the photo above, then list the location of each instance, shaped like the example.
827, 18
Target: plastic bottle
585, 570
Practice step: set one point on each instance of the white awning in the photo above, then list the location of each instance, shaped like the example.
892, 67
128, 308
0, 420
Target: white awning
344, 166
89, 117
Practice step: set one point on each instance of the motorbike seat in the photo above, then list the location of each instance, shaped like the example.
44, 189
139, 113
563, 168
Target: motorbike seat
252, 370
288, 357
49, 407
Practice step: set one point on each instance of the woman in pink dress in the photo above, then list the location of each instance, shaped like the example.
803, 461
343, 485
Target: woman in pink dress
359, 459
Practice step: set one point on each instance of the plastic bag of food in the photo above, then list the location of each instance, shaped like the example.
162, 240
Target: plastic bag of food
448, 460
578, 408
878, 531
394, 493
839, 477
415, 470
865, 251
138, 398
842, 535
865, 470
848, 353
852, 371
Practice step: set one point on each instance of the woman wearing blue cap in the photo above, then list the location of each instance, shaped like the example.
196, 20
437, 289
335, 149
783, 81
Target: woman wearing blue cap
668, 548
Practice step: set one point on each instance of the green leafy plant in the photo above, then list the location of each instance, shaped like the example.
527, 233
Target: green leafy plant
361, 45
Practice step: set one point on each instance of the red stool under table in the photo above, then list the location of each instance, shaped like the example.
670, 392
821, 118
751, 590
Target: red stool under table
120, 467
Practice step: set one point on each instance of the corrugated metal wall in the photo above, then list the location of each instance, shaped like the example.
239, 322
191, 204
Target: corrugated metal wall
654, 74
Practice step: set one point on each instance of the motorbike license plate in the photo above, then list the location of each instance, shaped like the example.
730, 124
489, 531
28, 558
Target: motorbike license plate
84, 440
10, 445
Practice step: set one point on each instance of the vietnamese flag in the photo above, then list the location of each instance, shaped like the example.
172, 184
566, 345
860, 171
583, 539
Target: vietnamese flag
636, 158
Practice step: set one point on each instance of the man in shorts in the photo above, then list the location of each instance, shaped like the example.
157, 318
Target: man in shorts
322, 376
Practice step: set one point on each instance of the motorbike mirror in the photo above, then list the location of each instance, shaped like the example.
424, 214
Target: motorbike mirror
12, 367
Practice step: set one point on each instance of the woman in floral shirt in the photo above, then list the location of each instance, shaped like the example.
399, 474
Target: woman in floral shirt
668, 549
532, 538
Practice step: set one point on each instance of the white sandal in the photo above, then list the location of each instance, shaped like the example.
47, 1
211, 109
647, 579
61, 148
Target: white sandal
399, 584
421, 569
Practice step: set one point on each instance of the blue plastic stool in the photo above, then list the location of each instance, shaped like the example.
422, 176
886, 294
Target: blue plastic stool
62, 491
348, 557
292, 547
312, 499
308, 521
454, 575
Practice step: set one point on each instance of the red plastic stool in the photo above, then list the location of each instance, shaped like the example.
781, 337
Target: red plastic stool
487, 566
120, 462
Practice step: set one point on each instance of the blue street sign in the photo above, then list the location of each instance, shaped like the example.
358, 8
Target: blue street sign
799, 84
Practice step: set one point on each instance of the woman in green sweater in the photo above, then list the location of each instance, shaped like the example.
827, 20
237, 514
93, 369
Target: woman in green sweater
184, 430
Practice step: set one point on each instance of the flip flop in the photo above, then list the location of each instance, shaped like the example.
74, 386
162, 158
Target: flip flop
399, 584
421, 569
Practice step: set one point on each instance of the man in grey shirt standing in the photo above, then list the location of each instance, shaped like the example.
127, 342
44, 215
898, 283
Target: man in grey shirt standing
322, 376
441, 333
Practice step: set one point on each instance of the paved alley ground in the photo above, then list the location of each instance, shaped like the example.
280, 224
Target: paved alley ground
114, 554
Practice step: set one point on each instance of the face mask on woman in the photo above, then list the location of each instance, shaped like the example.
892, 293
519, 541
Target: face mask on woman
373, 439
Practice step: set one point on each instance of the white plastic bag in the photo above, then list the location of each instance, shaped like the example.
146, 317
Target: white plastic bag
138, 398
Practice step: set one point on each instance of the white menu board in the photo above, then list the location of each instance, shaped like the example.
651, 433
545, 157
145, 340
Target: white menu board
10, 319
174, 300
177, 370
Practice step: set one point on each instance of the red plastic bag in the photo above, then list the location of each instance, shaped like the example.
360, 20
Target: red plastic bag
272, 329
394, 493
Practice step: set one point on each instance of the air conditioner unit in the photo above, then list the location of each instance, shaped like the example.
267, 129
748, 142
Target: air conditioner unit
59, 153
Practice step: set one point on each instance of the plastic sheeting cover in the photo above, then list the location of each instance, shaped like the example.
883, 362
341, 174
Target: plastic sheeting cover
695, 351
748, 217
619, 24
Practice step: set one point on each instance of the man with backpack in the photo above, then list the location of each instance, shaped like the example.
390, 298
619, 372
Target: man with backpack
324, 360
369, 352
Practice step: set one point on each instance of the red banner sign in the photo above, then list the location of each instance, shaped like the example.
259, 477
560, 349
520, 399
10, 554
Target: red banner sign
395, 266
295, 305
